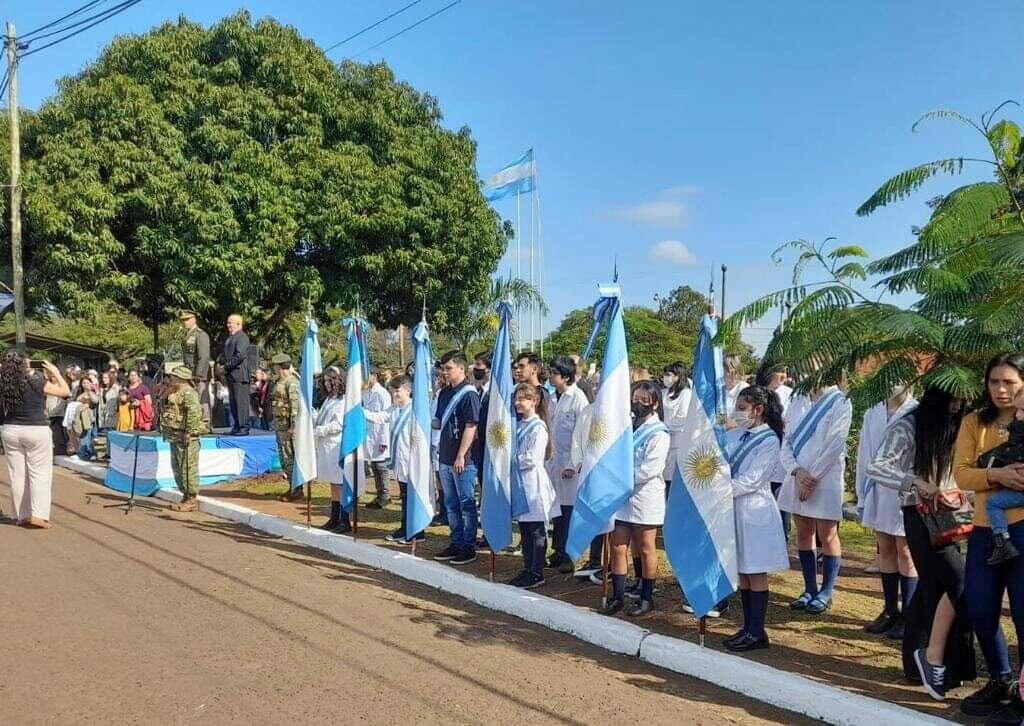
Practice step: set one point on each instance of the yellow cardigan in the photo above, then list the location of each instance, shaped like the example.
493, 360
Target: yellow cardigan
974, 439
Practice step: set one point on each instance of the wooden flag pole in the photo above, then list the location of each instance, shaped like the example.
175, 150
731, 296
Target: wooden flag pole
413, 543
355, 493
703, 630
309, 504
606, 562
494, 562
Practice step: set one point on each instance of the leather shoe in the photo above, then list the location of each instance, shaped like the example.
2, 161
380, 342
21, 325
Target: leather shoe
734, 637
817, 606
881, 624
748, 642
612, 606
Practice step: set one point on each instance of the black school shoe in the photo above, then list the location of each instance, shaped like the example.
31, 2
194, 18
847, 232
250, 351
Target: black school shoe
992, 697
1010, 714
611, 607
748, 642
531, 581
882, 624
897, 629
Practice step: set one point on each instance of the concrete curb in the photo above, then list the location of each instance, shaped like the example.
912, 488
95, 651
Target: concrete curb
755, 680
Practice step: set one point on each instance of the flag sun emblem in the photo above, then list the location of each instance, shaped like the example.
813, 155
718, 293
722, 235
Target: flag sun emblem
498, 435
702, 464
598, 433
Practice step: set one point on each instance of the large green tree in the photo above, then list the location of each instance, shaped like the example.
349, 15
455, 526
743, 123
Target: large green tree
236, 167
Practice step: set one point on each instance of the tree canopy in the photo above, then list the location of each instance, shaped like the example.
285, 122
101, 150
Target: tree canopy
236, 168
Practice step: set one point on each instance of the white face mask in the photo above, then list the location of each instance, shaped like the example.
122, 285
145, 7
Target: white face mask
668, 381
741, 419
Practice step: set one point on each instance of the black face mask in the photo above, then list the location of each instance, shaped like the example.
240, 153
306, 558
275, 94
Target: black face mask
479, 373
640, 412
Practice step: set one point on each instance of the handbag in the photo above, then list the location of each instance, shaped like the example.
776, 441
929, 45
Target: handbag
946, 517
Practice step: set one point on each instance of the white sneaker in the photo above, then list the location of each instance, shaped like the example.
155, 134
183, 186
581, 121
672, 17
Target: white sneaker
586, 572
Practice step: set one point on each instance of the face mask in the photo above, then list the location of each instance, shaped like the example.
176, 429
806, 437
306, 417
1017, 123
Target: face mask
479, 373
640, 412
741, 419
668, 381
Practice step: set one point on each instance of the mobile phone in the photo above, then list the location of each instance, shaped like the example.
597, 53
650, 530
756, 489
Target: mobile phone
36, 364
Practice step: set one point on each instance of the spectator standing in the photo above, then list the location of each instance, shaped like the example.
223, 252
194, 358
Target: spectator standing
236, 369
377, 399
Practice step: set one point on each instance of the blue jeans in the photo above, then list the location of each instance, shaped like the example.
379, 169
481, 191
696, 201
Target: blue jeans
984, 585
996, 505
460, 503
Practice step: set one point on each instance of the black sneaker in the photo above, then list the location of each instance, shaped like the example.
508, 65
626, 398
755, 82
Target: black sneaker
882, 624
933, 677
531, 581
587, 571
448, 553
1002, 550
990, 698
464, 557
1013, 713
519, 579
396, 536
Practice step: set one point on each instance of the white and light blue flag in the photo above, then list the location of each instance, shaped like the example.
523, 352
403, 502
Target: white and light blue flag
501, 497
606, 476
302, 440
353, 432
699, 531
420, 494
519, 177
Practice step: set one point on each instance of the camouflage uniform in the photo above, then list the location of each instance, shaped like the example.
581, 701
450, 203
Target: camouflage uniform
284, 402
195, 349
181, 422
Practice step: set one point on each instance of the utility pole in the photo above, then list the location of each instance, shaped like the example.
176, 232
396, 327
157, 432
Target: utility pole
17, 274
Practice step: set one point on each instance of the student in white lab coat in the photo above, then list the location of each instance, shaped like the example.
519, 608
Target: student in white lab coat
399, 420
327, 435
675, 403
569, 404
637, 521
376, 398
735, 381
532, 450
814, 458
881, 511
593, 569
753, 452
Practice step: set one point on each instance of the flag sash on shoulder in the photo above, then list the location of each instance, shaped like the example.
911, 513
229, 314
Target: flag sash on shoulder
398, 424
808, 425
645, 432
454, 401
742, 451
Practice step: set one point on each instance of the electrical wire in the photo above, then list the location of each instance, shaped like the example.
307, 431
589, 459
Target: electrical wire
3, 85
116, 10
371, 27
76, 24
73, 13
408, 28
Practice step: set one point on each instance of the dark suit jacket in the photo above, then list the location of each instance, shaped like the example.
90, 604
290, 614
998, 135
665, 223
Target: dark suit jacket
236, 363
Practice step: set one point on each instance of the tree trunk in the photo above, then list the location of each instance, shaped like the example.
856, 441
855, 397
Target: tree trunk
156, 335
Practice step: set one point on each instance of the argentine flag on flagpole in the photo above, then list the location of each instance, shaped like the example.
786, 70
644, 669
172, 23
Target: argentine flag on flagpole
501, 496
420, 494
519, 177
303, 441
353, 432
700, 532
606, 477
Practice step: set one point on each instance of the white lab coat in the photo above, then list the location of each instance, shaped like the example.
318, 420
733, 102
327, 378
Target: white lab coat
540, 492
731, 395
647, 503
327, 434
824, 456
675, 419
881, 509
378, 434
404, 443
785, 394
760, 541
563, 422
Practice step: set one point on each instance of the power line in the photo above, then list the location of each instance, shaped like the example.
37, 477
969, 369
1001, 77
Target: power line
73, 13
116, 10
371, 27
3, 84
72, 26
408, 28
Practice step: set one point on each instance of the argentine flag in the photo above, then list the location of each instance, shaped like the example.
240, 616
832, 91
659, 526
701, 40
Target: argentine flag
519, 177
353, 432
501, 496
420, 493
606, 477
700, 532
303, 442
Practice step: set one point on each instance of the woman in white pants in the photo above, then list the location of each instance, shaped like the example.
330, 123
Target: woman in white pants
27, 438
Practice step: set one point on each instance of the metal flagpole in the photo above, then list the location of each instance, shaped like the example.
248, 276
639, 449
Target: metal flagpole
540, 280
533, 330
519, 267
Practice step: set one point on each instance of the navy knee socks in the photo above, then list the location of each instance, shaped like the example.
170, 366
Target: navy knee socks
829, 574
618, 587
890, 590
745, 599
809, 567
758, 612
647, 589
907, 585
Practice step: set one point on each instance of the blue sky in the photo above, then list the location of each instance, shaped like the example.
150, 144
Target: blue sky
673, 136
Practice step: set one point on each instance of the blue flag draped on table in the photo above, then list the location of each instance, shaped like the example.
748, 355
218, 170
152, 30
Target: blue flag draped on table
303, 441
700, 532
420, 492
501, 497
353, 432
606, 476
519, 177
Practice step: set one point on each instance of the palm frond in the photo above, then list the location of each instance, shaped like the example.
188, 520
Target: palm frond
843, 251
1007, 249
944, 113
957, 379
1004, 138
925, 280
879, 385
906, 182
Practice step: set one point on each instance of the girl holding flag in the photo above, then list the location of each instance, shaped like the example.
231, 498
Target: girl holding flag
532, 449
327, 429
675, 403
813, 456
637, 521
753, 453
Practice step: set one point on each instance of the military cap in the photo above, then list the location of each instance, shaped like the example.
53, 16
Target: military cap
186, 314
181, 372
281, 359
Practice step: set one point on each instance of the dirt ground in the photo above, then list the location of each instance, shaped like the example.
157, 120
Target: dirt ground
155, 617
832, 648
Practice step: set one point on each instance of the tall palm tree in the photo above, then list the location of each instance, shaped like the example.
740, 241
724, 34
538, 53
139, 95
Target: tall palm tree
481, 320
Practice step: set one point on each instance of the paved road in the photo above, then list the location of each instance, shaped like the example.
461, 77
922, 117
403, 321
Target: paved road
155, 617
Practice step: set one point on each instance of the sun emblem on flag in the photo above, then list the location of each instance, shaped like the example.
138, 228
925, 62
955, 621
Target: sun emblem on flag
414, 435
701, 466
598, 432
498, 435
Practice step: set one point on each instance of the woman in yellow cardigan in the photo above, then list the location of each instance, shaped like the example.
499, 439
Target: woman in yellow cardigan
982, 430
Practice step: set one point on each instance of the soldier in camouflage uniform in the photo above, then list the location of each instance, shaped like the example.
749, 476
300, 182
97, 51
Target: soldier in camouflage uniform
181, 422
195, 350
285, 401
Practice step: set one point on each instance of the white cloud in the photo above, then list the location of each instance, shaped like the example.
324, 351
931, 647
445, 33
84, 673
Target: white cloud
682, 190
659, 212
674, 251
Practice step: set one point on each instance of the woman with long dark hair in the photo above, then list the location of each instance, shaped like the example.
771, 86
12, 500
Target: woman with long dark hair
327, 434
26, 435
915, 459
675, 402
982, 430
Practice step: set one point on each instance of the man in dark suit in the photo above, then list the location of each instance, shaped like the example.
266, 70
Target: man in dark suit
236, 369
